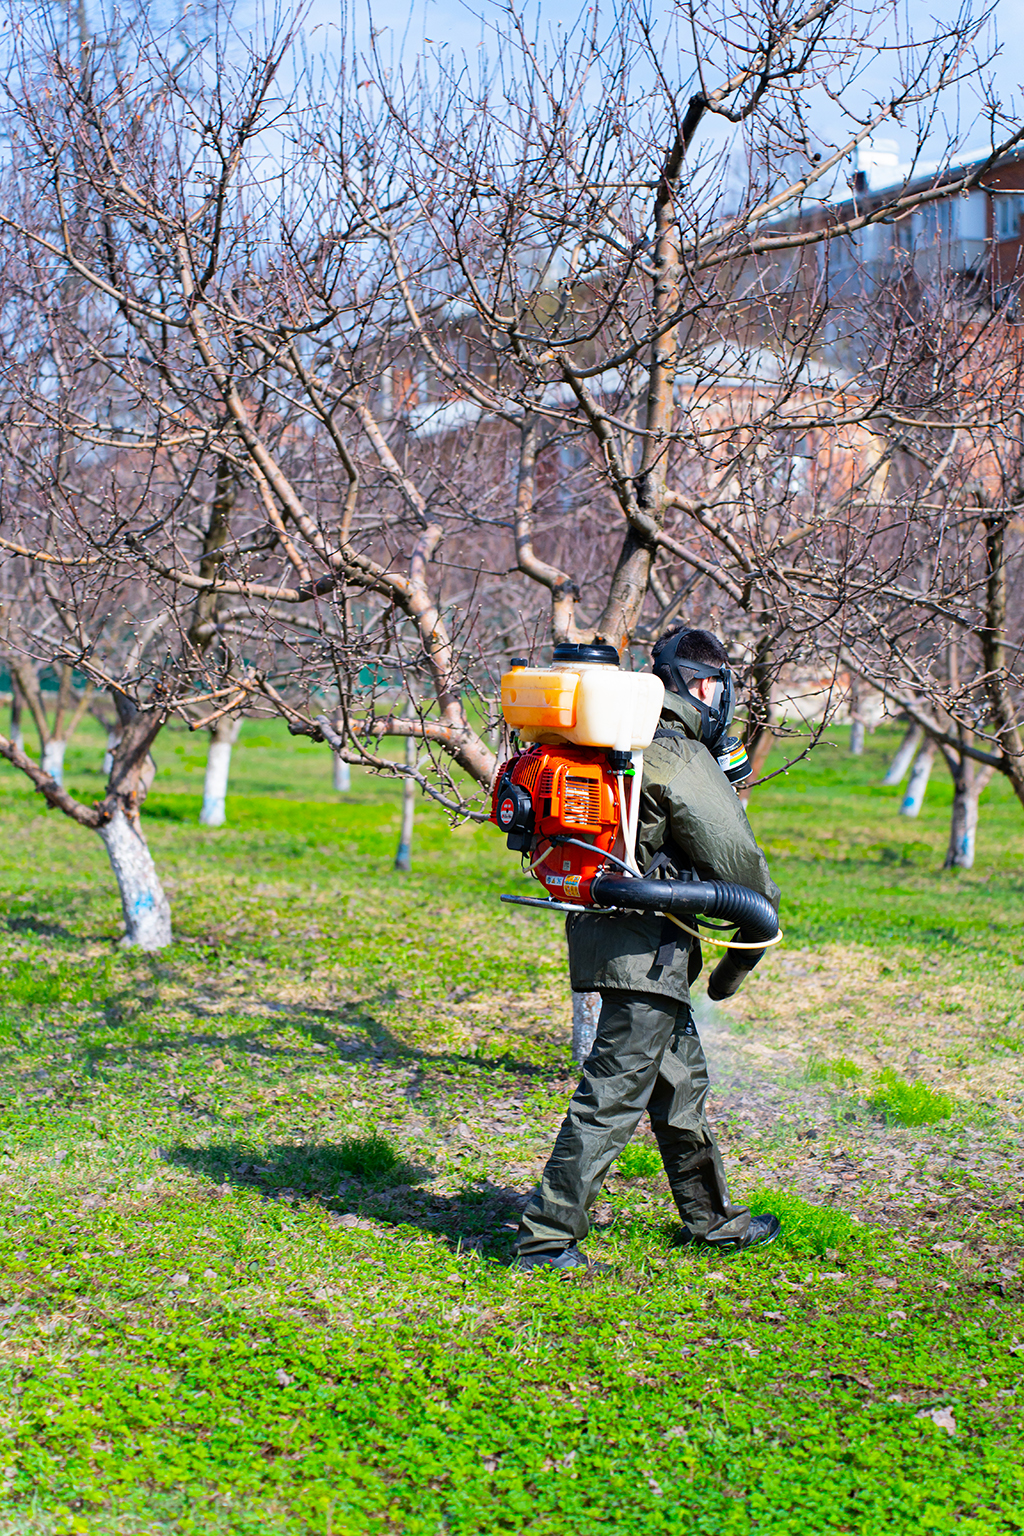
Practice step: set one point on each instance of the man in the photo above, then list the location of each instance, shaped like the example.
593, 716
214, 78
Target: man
647, 1055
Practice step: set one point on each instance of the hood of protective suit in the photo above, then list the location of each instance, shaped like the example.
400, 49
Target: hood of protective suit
677, 711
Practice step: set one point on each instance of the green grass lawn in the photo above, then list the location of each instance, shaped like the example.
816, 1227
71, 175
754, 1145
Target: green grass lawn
258, 1191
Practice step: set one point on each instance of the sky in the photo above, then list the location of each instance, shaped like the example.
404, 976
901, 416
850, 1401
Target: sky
406, 28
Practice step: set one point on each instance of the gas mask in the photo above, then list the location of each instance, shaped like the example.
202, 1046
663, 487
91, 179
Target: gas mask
677, 672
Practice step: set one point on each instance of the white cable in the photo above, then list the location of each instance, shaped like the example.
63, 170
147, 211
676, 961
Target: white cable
620, 791
706, 938
624, 819
634, 806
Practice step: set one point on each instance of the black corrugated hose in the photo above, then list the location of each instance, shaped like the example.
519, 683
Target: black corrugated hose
753, 914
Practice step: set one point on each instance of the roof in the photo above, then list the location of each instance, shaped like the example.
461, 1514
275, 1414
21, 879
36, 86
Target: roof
877, 160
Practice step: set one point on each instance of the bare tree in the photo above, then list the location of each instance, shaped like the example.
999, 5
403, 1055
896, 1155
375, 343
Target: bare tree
487, 358
56, 712
937, 617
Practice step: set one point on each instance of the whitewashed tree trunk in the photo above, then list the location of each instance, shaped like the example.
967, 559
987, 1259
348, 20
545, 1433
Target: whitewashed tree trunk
53, 760
586, 1010
218, 766
963, 825
342, 775
904, 755
113, 737
403, 858
856, 723
147, 913
918, 783
968, 783
17, 735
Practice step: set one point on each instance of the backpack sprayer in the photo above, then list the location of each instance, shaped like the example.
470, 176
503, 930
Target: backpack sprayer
569, 801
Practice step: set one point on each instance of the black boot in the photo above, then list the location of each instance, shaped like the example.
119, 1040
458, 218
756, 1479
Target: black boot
761, 1230
567, 1261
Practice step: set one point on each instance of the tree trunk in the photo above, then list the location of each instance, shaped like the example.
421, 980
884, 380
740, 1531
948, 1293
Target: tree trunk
147, 913
342, 775
963, 825
53, 759
17, 733
224, 497
856, 723
113, 737
586, 1009
218, 765
919, 775
758, 736
403, 858
968, 783
632, 573
904, 755
993, 642
758, 755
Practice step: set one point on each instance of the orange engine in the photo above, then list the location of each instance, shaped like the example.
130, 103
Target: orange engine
559, 805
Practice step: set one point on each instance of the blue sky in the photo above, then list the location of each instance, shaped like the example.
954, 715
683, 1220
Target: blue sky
408, 27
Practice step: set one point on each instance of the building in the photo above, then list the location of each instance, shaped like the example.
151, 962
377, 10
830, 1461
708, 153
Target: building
974, 236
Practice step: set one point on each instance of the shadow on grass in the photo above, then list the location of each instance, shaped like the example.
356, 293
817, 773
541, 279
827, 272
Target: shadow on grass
352, 1033
362, 1178
316, 1023
42, 930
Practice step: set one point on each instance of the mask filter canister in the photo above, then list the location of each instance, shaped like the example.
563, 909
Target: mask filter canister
733, 760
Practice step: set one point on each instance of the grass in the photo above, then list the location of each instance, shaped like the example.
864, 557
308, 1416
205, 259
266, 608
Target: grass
840, 1071
638, 1161
257, 1193
812, 1231
904, 1103
368, 1157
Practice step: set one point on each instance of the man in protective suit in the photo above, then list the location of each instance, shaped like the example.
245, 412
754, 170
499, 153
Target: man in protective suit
647, 1055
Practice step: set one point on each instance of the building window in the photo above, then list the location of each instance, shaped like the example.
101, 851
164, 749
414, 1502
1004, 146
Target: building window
1009, 207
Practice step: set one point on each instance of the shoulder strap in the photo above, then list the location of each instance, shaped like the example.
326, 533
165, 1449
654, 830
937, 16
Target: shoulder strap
672, 861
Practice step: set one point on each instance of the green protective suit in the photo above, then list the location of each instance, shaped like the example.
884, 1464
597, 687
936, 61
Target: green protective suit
647, 1055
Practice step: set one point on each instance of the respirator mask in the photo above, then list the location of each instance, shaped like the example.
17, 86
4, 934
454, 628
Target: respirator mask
677, 673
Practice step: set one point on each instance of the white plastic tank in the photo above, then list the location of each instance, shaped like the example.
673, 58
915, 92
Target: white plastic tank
584, 699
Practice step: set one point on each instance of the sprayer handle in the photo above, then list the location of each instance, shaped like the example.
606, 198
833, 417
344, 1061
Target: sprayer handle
731, 972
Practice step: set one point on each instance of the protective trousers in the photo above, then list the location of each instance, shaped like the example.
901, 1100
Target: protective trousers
647, 1055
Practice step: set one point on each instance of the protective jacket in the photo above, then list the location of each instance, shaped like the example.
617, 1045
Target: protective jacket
691, 822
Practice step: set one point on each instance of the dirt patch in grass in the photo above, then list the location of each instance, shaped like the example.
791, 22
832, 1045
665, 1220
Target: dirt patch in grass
944, 1018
